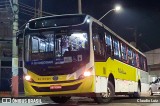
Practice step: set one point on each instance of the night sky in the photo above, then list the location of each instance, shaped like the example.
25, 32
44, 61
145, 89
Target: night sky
142, 15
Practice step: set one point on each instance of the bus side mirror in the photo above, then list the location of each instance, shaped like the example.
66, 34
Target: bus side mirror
19, 35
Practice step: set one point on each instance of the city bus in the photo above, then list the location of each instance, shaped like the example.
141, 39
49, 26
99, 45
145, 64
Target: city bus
77, 55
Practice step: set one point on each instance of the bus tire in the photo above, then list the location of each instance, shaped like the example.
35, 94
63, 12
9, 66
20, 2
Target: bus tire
106, 98
130, 95
60, 99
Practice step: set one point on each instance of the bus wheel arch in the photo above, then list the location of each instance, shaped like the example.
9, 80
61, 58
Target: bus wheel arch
111, 79
139, 85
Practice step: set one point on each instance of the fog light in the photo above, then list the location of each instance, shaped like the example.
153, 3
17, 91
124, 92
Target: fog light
87, 73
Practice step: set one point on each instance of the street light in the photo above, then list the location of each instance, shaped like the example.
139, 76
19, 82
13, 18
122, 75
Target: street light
117, 8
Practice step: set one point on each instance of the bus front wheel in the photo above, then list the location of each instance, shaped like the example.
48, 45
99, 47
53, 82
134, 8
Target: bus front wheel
60, 99
106, 97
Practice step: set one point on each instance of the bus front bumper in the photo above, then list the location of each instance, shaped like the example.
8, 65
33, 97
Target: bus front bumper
76, 87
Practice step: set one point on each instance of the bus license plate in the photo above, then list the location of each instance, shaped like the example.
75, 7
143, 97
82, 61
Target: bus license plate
52, 87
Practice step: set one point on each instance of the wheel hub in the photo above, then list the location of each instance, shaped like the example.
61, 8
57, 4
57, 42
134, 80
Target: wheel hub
106, 95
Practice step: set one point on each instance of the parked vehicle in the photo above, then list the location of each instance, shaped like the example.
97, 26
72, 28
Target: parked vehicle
154, 87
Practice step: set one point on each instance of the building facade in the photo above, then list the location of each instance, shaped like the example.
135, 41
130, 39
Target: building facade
153, 58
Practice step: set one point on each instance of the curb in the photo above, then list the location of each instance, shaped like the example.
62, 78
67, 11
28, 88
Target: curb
5, 94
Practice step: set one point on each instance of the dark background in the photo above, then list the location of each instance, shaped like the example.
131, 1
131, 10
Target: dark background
140, 15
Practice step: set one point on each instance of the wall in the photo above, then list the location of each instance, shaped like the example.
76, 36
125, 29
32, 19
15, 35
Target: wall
153, 59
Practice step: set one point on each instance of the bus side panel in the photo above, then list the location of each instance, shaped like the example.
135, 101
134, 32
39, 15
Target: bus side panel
101, 84
144, 78
124, 75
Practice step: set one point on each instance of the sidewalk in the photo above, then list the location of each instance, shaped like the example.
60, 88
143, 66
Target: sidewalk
9, 94
5, 94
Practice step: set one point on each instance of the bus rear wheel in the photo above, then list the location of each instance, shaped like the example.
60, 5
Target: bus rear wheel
106, 97
60, 99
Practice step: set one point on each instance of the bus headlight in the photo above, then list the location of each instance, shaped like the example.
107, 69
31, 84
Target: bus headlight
27, 77
86, 73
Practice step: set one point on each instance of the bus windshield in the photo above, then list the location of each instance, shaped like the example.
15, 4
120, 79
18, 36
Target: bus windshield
57, 48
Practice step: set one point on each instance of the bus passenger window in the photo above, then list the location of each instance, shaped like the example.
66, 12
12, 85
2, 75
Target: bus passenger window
124, 52
98, 46
96, 43
134, 59
42, 46
108, 43
35, 43
137, 60
145, 64
141, 62
130, 58
116, 48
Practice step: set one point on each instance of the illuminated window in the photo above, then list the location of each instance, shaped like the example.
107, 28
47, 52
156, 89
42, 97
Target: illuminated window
116, 48
124, 52
35, 45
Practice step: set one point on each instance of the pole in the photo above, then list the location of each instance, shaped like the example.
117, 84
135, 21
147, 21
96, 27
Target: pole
15, 51
41, 8
79, 7
106, 14
35, 13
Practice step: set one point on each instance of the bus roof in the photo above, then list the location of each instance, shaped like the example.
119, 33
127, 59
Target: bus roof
58, 16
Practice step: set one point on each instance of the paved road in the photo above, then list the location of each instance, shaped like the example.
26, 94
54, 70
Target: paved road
76, 101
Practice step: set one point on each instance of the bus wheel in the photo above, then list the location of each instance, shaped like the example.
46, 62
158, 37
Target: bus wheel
105, 97
60, 99
130, 95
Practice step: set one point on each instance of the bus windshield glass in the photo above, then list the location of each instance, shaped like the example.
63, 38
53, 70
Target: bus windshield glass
56, 21
55, 48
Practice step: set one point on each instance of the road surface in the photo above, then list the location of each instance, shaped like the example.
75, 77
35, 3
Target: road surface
76, 101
